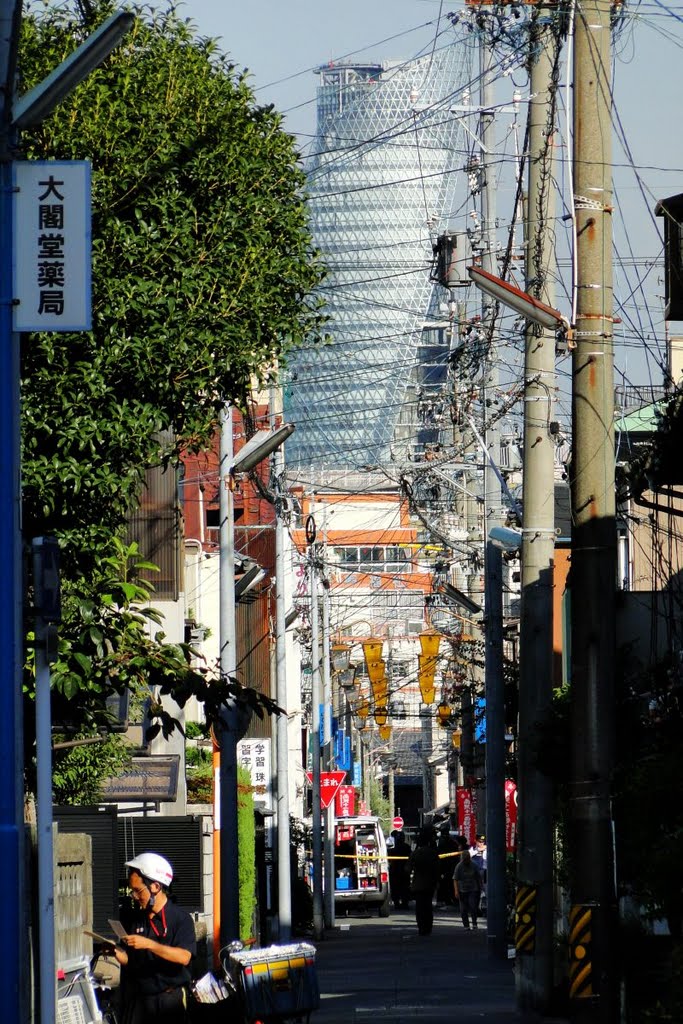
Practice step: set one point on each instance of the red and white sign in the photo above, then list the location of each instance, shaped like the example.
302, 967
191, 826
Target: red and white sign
329, 784
467, 822
397, 823
345, 802
510, 815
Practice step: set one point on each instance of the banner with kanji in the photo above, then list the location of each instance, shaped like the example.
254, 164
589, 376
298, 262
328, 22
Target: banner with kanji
510, 815
345, 802
467, 822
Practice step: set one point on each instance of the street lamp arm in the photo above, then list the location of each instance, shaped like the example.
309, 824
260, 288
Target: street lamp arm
33, 107
258, 447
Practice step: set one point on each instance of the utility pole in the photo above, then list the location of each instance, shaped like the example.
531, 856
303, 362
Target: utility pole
328, 759
493, 635
316, 814
592, 935
284, 863
534, 937
13, 944
229, 728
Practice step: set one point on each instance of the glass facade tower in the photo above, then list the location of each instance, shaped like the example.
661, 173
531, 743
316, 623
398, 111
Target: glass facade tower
382, 182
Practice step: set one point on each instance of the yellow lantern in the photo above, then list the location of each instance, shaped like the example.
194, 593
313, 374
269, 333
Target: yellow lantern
380, 691
384, 732
429, 642
372, 649
381, 715
456, 738
425, 675
444, 713
363, 708
376, 670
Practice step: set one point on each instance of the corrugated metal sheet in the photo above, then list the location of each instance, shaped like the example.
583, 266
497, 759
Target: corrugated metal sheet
179, 839
100, 824
253, 654
157, 529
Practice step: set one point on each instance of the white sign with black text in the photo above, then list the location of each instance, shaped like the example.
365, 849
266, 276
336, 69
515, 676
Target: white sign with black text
52, 245
254, 755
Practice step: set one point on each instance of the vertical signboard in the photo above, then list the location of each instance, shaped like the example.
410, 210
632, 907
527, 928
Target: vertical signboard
254, 755
345, 802
52, 249
467, 822
510, 816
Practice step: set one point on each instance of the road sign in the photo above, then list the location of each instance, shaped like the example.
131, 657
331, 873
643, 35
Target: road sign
329, 784
397, 823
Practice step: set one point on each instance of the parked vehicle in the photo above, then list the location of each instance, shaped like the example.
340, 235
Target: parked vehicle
361, 868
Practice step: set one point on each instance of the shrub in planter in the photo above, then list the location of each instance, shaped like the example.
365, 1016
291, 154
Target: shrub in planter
246, 843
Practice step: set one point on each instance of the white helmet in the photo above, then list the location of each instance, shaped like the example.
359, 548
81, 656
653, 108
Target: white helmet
152, 866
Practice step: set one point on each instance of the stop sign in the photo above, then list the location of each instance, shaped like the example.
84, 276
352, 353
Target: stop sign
397, 823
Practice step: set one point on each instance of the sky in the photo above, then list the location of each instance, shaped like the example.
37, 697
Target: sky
281, 43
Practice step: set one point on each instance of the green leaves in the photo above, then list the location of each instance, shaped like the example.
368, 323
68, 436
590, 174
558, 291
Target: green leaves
202, 267
202, 264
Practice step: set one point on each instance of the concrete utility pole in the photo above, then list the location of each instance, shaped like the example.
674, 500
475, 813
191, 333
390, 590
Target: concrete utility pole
327, 761
316, 813
284, 864
229, 730
535, 814
493, 634
593, 946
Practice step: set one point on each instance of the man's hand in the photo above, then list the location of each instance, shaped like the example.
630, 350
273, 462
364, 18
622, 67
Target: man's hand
139, 942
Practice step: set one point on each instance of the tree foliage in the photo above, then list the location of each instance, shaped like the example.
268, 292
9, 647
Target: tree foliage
203, 273
202, 263
79, 771
111, 641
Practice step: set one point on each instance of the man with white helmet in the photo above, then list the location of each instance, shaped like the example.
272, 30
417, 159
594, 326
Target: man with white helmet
156, 953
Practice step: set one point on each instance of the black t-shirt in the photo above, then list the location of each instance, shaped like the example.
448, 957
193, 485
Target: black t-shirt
170, 926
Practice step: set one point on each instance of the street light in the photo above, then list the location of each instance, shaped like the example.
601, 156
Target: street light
33, 107
522, 303
234, 722
504, 538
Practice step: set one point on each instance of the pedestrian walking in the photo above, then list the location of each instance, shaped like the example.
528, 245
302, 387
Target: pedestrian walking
446, 847
424, 866
156, 952
467, 886
399, 855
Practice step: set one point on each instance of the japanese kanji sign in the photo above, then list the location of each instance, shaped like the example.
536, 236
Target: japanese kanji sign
254, 755
52, 252
329, 784
345, 802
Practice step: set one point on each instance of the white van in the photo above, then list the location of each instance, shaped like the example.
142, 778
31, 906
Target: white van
361, 868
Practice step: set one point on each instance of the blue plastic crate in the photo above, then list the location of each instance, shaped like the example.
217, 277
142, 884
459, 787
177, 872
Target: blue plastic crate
342, 883
278, 981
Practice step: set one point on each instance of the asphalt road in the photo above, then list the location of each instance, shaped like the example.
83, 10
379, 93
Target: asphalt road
380, 970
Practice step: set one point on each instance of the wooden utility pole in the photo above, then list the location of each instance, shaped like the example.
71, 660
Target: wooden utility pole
534, 934
593, 978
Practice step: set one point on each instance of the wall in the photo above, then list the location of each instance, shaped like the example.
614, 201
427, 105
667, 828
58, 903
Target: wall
73, 895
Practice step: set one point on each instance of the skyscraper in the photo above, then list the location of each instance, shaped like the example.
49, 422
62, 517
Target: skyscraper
382, 183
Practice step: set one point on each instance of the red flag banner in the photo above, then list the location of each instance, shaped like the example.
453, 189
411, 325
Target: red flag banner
345, 802
467, 823
510, 815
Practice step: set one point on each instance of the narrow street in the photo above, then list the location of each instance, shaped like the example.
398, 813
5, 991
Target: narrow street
372, 969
